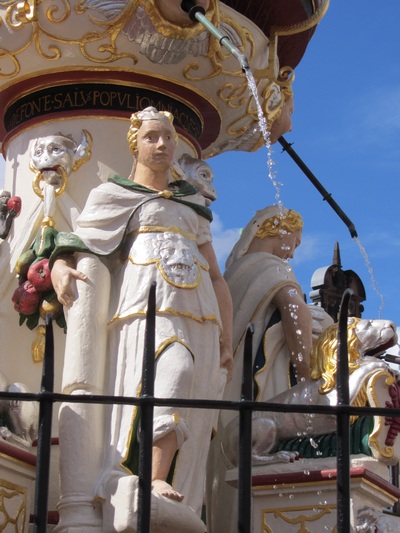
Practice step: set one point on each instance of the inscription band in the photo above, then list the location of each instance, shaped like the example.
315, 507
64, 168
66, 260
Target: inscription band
101, 97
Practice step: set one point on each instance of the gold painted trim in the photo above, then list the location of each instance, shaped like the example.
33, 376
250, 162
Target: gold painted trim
388, 452
163, 229
12, 486
26, 11
322, 483
276, 486
157, 262
17, 461
57, 191
299, 520
125, 84
16, 520
141, 313
376, 488
305, 25
115, 81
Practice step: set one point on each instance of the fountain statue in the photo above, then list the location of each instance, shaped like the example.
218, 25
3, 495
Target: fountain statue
294, 361
72, 75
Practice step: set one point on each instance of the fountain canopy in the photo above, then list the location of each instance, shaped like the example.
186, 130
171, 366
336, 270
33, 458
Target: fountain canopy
63, 59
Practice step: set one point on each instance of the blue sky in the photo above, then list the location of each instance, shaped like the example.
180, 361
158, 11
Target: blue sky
346, 128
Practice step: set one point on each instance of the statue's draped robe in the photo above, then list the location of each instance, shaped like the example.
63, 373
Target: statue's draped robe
144, 237
253, 279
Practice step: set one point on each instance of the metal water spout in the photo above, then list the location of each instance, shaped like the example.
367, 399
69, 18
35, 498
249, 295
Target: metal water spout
197, 14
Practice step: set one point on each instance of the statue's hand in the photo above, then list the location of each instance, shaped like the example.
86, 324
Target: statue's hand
226, 361
320, 320
64, 276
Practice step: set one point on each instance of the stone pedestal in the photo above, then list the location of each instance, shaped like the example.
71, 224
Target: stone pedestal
302, 496
17, 485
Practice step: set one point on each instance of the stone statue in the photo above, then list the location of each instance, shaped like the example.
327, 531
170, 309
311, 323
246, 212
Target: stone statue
373, 521
10, 207
20, 419
265, 292
144, 229
200, 175
364, 337
54, 157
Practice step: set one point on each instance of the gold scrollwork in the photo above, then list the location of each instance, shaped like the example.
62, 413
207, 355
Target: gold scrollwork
26, 11
216, 53
17, 495
98, 46
301, 519
270, 80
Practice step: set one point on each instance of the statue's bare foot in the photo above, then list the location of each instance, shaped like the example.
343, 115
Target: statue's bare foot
162, 487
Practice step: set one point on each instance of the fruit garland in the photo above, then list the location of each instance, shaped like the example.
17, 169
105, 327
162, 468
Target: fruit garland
35, 297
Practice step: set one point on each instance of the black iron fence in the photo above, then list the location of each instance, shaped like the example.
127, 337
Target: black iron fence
245, 407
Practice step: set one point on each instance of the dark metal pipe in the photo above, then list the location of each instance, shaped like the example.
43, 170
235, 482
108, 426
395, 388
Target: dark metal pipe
44, 434
327, 196
343, 420
146, 419
197, 14
245, 424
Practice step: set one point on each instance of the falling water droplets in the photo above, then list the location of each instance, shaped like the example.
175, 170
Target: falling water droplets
262, 123
371, 273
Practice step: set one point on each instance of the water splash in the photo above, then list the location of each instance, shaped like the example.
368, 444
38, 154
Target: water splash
372, 275
262, 123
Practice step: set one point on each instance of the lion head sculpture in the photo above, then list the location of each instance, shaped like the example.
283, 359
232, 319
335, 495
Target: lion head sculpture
364, 338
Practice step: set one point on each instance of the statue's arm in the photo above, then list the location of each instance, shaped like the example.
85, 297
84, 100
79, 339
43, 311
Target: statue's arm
224, 300
297, 327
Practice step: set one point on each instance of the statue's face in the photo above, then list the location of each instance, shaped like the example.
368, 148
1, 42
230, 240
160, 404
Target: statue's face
375, 336
177, 259
283, 123
200, 175
51, 153
155, 144
289, 243
4, 197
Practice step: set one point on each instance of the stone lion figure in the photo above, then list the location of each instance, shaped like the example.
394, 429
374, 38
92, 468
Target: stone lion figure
18, 419
366, 340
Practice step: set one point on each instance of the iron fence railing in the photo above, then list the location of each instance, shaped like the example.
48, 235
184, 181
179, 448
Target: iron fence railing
47, 398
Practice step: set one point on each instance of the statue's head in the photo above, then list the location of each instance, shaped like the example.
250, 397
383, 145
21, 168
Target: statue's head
137, 119
4, 197
275, 229
199, 174
364, 338
279, 224
280, 108
56, 156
